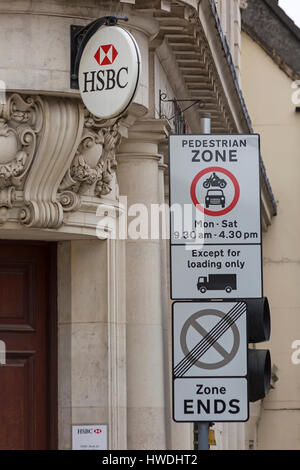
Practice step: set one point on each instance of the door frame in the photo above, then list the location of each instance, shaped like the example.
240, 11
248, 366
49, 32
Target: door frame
52, 348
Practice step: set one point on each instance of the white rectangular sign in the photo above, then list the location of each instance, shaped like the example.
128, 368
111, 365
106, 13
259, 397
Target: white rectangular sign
216, 271
215, 204
210, 361
89, 437
210, 400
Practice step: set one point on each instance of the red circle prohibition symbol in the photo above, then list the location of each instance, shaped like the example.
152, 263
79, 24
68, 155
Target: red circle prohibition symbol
236, 191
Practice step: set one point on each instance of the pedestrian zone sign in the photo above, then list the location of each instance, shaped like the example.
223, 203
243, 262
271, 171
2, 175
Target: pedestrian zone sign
215, 217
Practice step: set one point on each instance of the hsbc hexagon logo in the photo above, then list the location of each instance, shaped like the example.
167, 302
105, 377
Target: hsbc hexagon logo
106, 54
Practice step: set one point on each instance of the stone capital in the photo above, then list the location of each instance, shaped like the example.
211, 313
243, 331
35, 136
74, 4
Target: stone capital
143, 139
150, 130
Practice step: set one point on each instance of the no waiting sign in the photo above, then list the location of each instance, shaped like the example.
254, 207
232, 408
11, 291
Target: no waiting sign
216, 237
210, 361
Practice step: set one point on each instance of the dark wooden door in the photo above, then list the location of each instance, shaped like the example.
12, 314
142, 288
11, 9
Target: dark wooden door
28, 328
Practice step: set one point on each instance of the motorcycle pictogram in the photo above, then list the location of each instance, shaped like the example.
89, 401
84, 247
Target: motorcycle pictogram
214, 181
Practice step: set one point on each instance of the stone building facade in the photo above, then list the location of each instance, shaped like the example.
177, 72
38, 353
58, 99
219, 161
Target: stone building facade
87, 317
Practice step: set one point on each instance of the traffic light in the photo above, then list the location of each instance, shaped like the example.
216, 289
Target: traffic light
259, 360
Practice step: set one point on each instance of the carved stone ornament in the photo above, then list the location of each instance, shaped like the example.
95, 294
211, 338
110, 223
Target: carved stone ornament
20, 124
91, 171
56, 160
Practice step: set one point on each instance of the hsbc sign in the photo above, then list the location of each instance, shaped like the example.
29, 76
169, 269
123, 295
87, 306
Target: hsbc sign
109, 71
89, 437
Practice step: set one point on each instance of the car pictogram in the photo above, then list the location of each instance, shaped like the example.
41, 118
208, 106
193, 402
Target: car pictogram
215, 197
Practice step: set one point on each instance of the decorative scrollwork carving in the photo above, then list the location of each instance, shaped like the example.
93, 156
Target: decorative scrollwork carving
20, 121
55, 159
69, 200
92, 168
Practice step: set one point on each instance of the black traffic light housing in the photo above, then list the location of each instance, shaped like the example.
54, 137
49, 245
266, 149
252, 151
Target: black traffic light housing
259, 360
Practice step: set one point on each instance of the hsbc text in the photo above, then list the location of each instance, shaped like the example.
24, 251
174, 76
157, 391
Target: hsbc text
105, 79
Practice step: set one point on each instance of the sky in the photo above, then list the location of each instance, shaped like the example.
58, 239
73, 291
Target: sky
292, 9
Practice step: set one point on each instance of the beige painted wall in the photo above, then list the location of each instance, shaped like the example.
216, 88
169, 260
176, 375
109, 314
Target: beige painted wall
268, 94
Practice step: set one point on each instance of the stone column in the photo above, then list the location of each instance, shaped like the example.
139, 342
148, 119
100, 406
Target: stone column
82, 336
91, 339
138, 178
165, 291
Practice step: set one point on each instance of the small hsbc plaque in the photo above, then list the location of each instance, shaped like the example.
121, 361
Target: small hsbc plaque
89, 437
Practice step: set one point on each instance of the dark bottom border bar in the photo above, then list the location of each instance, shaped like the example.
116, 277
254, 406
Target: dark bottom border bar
131, 459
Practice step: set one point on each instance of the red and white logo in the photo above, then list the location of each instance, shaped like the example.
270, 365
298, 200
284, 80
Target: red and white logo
106, 54
97, 430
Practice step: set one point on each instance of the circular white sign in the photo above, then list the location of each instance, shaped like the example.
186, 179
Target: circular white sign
109, 71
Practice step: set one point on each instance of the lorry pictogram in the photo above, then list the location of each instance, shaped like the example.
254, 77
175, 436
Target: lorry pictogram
225, 282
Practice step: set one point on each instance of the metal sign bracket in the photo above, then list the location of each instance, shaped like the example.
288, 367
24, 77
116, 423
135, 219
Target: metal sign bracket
163, 99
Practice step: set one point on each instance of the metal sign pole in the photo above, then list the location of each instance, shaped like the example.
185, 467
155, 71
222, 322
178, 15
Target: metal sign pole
203, 428
205, 123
